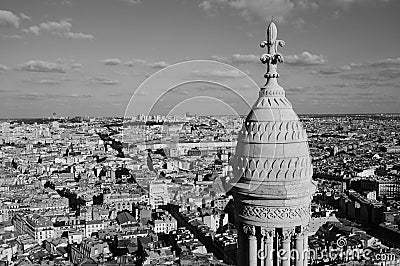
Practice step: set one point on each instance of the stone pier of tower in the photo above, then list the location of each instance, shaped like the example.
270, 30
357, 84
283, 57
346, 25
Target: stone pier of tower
272, 171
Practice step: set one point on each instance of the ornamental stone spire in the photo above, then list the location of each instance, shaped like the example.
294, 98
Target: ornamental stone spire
272, 170
272, 58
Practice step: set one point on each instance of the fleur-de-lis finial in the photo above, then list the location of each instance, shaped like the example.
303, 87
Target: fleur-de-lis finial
272, 57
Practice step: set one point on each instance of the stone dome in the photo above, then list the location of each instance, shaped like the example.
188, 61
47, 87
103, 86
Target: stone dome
272, 166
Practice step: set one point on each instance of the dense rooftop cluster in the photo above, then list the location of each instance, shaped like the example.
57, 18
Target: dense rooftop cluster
150, 190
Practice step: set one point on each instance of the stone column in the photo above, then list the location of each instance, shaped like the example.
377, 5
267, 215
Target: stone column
268, 243
242, 247
286, 239
250, 230
305, 247
299, 243
261, 251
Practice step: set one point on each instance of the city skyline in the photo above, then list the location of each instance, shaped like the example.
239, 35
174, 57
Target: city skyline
144, 132
88, 57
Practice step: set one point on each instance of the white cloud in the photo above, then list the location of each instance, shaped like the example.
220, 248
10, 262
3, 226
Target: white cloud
345, 4
132, 2
33, 29
78, 36
381, 73
216, 73
206, 5
140, 61
3, 68
62, 28
161, 64
112, 62
8, 18
129, 64
104, 81
237, 59
384, 63
13, 36
66, 3
76, 66
221, 59
51, 26
333, 70
305, 59
299, 23
387, 62
249, 8
121, 73
281, 10
41, 66
49, 81
244, 59
23, 16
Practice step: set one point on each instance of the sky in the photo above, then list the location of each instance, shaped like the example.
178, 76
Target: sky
125, 57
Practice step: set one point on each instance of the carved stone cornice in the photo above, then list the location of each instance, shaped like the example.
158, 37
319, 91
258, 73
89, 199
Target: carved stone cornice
272, 213
249, 230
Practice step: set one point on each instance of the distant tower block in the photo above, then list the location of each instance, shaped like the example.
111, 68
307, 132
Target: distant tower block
272, 170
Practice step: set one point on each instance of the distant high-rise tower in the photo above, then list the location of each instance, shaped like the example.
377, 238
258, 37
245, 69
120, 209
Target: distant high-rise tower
272, 170
5, 128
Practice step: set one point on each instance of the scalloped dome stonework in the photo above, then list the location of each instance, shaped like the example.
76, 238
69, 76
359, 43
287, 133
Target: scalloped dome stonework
272, 170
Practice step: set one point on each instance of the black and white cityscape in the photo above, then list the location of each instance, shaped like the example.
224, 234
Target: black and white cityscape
201, 133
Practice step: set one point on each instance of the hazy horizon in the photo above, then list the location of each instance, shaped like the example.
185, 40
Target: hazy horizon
202, 115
